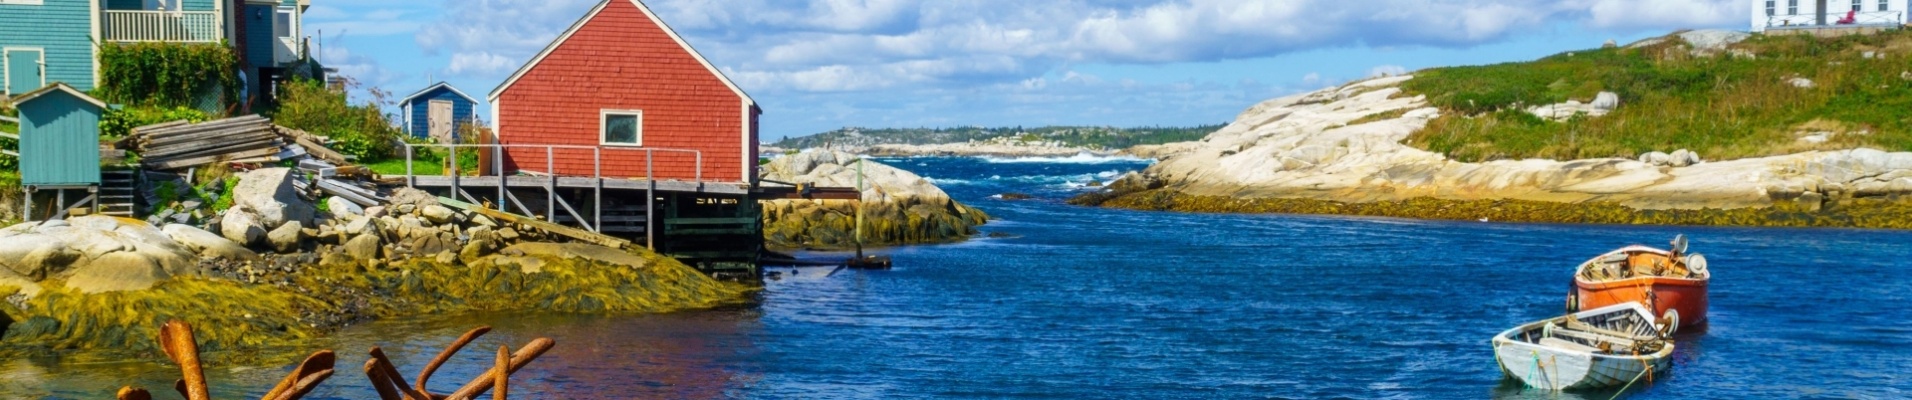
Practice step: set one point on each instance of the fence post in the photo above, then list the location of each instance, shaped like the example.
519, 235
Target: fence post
498, 167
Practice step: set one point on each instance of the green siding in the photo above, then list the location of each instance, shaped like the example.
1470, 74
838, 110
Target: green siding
59, 141
64, 28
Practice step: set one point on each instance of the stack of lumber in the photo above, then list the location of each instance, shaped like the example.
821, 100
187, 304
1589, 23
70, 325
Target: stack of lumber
243, 140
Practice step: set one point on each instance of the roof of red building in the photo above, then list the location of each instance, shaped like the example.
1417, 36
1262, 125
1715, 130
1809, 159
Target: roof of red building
593, 14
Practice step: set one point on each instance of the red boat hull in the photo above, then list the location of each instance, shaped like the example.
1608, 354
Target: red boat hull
1688, 296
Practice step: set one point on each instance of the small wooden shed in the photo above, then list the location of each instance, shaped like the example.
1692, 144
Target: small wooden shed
59, 138
59, 146
436, 112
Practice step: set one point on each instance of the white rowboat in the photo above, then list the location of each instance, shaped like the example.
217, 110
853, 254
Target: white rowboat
1605, 347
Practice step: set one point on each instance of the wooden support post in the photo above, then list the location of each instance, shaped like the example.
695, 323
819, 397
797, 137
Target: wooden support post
650, 200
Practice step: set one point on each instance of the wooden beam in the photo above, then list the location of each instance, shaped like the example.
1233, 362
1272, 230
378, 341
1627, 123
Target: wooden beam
509, 218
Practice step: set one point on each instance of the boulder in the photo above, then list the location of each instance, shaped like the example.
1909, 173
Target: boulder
207, 244
437, 214
357, 225
364, 248
241, 227
342, 207
34, 255
121, 271
268, 194
286, 238
1606, 101
1655, 158
480, 220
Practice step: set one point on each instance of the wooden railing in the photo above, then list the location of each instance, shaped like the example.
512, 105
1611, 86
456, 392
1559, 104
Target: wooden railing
161, 26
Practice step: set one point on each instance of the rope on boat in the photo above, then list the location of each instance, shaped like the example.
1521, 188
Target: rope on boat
1636, 378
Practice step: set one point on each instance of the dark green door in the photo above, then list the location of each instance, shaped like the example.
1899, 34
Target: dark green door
24, 72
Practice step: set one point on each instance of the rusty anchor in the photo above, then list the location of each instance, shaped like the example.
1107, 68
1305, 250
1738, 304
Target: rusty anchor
391, 385
176, 340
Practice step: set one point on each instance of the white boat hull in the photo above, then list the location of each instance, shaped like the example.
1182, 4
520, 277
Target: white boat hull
1558, 368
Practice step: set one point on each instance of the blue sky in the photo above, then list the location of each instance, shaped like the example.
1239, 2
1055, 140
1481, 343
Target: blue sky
818, 65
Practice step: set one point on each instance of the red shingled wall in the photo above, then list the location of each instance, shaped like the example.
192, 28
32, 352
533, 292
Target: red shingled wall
621, 60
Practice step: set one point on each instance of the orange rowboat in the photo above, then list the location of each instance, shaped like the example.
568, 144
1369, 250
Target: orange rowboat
1670, 282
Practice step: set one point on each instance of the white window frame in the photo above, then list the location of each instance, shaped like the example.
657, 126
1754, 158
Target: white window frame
1858, 6
1792, 7
604, 122
1885, 5
23, 2
1772, 7
6, 66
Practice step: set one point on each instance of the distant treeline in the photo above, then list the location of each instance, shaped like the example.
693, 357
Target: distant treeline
1080, 136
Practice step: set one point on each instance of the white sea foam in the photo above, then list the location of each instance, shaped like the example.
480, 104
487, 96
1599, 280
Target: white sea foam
1079, 158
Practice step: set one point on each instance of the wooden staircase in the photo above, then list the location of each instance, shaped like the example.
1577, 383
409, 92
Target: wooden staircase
117, 191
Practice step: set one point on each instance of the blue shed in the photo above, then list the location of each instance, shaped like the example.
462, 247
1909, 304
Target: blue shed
436, 112
59, 137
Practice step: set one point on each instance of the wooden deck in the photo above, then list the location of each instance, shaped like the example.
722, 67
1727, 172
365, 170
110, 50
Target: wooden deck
540, 182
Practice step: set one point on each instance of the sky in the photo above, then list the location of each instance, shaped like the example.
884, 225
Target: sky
820, 65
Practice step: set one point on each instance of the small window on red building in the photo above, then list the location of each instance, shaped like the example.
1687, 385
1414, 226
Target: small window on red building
623, 127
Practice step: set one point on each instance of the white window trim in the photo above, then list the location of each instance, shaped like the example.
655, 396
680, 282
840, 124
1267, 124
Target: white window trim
6, 67
23, 2
604, 121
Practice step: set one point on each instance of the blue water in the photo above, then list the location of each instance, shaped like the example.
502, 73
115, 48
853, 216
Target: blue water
1095, 303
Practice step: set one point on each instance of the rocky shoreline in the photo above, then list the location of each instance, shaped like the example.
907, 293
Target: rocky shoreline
100, 284
899, 207
1340, 151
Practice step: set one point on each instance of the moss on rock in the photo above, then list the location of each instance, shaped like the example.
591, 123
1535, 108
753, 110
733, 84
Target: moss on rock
308, 302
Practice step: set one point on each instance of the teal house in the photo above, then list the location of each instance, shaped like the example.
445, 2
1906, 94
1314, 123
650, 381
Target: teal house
47, 41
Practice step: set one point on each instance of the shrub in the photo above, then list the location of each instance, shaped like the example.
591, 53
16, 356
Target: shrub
118, 123
361, 131
1724, 106
167, 75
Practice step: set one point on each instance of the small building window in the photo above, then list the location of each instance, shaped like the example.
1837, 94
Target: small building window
1884, 5
1772, 7
1858, 5
623, 127
1792, 7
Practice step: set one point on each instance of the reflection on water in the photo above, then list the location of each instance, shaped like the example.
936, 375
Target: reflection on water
687, 356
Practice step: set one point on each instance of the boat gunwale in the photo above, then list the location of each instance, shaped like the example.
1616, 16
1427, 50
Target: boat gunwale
1507, 337
1580, 280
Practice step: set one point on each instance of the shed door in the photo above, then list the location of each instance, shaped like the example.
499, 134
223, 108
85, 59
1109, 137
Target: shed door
26, 70
441, 120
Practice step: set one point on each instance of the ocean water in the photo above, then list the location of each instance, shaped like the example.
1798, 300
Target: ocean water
1093, 303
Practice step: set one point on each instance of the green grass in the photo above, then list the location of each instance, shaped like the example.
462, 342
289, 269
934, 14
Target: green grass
1723, 107
396, 166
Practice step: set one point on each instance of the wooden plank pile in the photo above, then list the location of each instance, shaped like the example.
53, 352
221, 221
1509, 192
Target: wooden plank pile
180, 145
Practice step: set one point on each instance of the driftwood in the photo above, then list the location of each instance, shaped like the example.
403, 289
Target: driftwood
176, 339
391, 386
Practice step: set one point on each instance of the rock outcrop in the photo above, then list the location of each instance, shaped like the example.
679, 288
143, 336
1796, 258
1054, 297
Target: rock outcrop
92, 254
899, 207
1306, 147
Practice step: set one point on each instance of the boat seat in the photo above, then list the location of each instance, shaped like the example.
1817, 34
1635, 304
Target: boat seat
1564, 344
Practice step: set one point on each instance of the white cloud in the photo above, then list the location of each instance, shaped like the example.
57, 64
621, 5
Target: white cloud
1651, 14
482, 64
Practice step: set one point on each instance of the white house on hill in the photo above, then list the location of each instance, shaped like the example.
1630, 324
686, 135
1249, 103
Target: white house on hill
1821, 14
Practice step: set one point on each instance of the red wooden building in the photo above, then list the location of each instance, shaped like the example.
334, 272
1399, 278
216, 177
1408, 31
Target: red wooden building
620, 80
